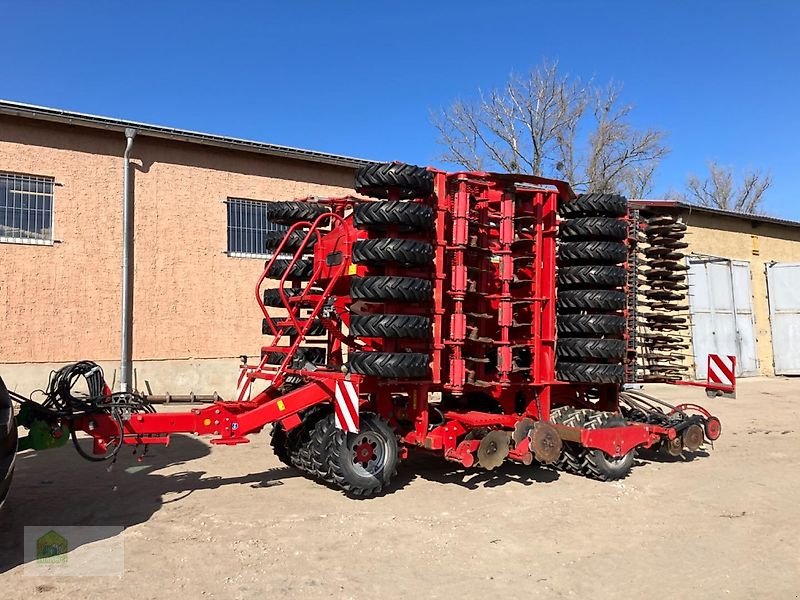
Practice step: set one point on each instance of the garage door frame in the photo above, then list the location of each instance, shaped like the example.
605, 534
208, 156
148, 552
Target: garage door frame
784, 318
723, 321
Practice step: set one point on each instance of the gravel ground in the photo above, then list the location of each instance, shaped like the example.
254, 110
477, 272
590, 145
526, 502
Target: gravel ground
234, 523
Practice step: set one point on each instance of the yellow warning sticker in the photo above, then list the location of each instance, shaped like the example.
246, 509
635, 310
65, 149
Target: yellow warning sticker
281, 405
352, 269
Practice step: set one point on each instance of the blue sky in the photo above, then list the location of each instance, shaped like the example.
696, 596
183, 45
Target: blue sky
359, 78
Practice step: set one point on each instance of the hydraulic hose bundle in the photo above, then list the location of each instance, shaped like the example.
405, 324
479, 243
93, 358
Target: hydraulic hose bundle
74, 391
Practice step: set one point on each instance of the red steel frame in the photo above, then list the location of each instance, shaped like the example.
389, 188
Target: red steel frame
491, 203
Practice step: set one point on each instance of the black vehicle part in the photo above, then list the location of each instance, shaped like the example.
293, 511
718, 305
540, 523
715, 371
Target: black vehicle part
388, 250
407, 181
606, 300
589, 372
406, 216
8, 442
288, 213
571, 459
300, 270
394, 365
273, 239
593, 228
313, 355
282, 443
317, 329
363, 463
404, 289
601, 276
588, 205
596, 463
597, 325
272, 296
390, 326
581, 348
593, 252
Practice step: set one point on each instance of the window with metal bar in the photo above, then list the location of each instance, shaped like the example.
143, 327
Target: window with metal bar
26, 209
248, 224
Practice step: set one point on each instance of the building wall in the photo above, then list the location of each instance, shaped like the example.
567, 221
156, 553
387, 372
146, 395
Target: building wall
61, 303
753, 241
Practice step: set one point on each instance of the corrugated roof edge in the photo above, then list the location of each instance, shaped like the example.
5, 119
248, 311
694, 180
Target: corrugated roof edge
643, 203
44, 113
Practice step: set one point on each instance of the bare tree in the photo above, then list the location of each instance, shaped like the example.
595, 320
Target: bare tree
720, 190
552, 125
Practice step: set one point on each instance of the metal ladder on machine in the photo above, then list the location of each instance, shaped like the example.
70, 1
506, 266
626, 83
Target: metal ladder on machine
276, 373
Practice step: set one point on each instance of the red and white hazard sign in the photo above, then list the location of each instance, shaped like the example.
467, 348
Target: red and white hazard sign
346, 407
722, 369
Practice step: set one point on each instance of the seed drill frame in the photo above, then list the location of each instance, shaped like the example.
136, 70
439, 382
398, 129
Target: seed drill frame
491, 348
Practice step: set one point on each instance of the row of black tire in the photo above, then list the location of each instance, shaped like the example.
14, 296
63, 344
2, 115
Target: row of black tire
592, 252
397, 216
591, 296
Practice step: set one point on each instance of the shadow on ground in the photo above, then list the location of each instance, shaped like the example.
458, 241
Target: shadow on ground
58, 488
433, 468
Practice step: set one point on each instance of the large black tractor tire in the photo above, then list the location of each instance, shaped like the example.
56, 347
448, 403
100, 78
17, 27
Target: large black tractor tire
273, 239
272, 296
302, 446
379, 180
593, 228
593, 252
590, 276
313, 355
288, 213
402, 289
281, 443
571, 458
392, 365
317, 329
586, 348
591, 205
322, 437
596, 463
403, 252
364, 463
301, 270
390, 326
604, 300
589, 372
591, 325
8, 442
405, 216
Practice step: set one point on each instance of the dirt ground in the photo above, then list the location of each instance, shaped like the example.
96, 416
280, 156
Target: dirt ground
234, 523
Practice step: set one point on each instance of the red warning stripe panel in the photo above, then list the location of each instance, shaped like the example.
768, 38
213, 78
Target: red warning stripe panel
346, 407
721, 369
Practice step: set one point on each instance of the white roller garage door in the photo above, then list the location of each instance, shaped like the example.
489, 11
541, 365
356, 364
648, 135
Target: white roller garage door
783, 281
721, 304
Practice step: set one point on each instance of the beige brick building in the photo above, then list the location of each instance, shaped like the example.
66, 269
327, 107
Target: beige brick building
194, 310
199, 209
744, 288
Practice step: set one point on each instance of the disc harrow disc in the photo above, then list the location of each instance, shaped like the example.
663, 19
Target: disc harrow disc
545, 443
493, 449
521, 429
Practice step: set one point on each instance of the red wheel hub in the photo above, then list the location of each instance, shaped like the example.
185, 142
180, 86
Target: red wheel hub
364, 452
713, 428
